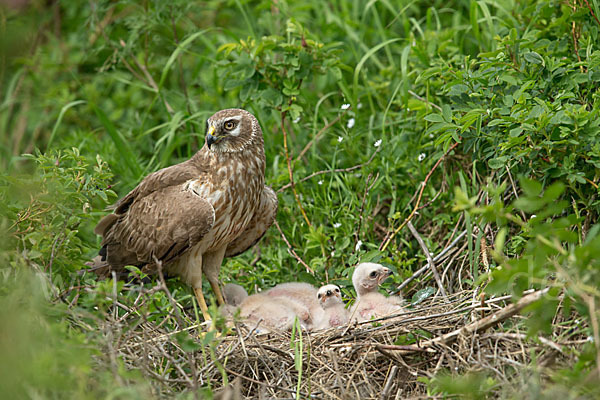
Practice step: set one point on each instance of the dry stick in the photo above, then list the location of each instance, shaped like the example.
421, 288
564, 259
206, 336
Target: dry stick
522, 336
287, 186
262, 383
482, 324
291, 250
413, 212
289, 167
317, 136
430, 261
435, 259
514, 188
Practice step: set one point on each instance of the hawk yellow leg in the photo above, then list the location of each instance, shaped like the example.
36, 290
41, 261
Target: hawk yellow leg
211, 265
202, 303
217, 289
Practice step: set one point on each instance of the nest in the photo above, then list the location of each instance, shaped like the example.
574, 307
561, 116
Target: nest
390, 357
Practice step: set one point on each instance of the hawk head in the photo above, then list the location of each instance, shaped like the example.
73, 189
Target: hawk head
231, 130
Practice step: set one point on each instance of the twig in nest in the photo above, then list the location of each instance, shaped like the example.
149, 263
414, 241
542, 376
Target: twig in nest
430, 261
329, 171
483, 324
180, 322
387, 241
389, 382
291, 250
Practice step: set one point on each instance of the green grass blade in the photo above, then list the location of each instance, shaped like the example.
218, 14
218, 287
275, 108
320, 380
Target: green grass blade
175, 54
364, 59
122, 146
59, 120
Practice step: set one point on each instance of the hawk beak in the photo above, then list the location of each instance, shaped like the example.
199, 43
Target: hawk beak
210, 139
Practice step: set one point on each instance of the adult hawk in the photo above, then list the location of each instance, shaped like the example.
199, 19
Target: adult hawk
191, 215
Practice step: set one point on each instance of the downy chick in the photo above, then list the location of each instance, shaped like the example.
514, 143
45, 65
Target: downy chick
304, 297
335, 313
369, 304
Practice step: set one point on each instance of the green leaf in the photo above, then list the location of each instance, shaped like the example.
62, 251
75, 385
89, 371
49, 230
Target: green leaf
422, 295
534, 58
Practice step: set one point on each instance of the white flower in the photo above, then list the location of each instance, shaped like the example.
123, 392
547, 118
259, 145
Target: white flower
337, 225
320, 182
297, 120
377, 143
359, 106
358, 244
407, 109
431, 136
590, 339
333, 253
340, 139
351, 122
345, 106
422, 157
533, 216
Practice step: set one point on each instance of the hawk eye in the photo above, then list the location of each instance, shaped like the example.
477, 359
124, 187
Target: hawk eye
229, 125
373, 274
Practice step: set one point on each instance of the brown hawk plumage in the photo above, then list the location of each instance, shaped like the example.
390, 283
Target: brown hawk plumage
191, 215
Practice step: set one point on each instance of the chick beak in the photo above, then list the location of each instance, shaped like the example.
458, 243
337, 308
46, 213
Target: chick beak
386, 272
210, 139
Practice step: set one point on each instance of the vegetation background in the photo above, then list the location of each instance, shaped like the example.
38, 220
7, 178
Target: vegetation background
472, 115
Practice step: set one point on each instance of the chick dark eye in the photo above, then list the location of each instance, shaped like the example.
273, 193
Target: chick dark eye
373, 274
229, 125
319, 296
337, 290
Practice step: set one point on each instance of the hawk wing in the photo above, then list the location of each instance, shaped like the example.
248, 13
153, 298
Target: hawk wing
163, 224
261, 221
170, 176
